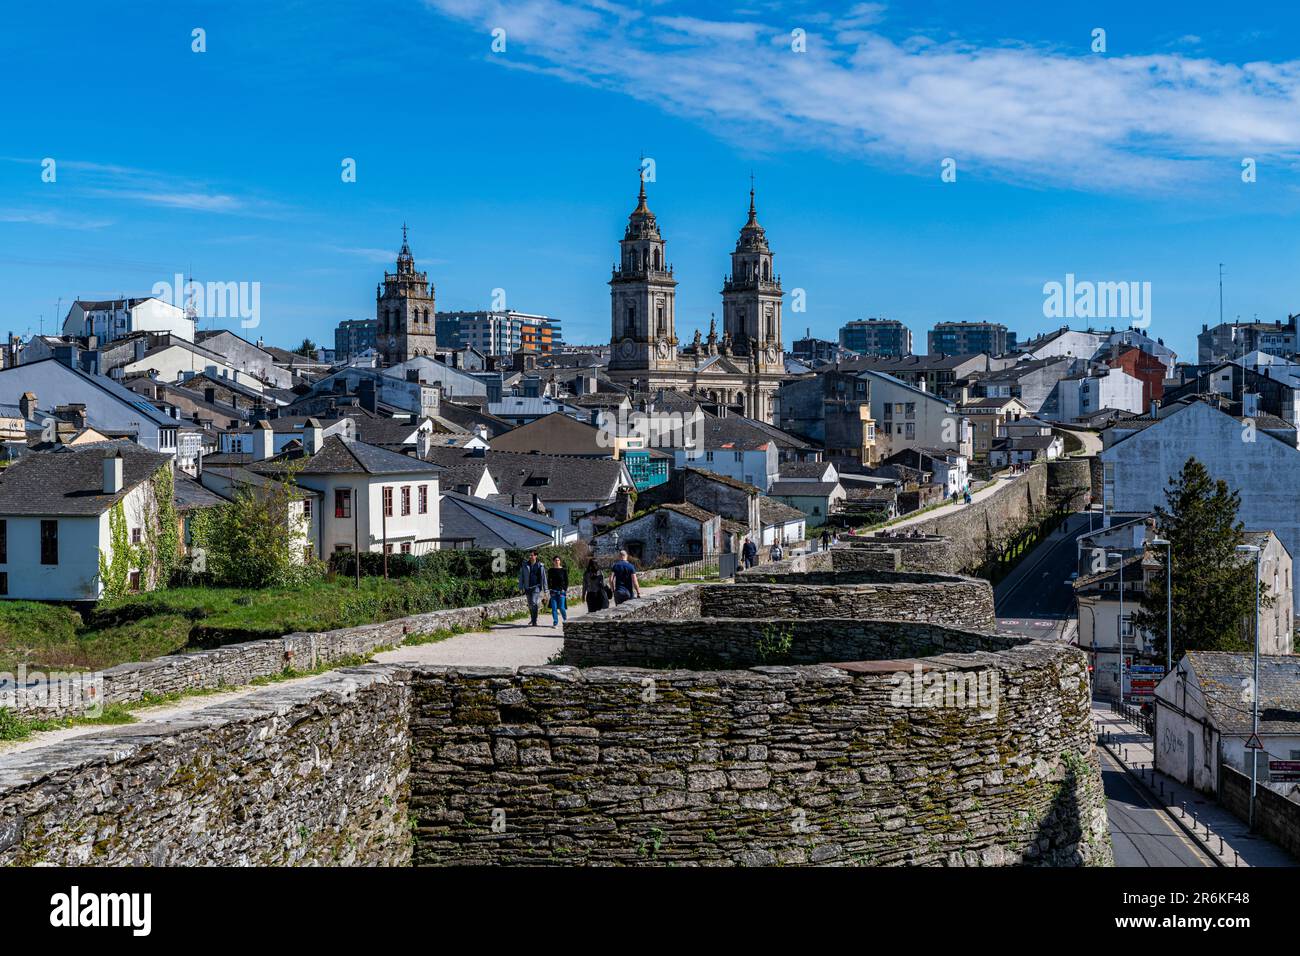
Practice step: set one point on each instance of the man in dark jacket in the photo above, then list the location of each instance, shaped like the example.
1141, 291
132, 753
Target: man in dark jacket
749, 552
532, 581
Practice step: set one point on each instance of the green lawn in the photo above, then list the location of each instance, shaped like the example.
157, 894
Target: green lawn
143, 626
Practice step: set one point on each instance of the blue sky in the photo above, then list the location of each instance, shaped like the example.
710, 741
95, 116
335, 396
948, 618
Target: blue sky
517, 170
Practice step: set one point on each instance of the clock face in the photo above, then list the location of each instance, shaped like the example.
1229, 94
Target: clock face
627, 348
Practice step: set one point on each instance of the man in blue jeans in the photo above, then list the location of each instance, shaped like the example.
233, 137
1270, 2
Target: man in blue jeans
557, 578
622, 579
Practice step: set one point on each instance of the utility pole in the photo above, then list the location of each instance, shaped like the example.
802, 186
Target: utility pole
1116, 556
356, 535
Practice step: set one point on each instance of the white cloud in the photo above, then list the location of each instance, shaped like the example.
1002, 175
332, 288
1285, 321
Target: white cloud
1014, 112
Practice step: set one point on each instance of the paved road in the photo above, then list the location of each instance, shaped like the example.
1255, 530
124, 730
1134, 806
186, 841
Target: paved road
1037, 599
1141, 832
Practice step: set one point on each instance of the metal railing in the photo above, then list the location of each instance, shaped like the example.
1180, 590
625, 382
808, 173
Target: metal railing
1144, 722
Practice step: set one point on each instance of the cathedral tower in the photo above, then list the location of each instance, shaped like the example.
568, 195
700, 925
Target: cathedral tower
404, 310
751, 298
641, 290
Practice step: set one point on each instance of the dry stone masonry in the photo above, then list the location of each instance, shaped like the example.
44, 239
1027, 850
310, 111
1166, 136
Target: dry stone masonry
830, 710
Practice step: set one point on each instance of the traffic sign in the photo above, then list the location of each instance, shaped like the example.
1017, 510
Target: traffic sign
1253, 743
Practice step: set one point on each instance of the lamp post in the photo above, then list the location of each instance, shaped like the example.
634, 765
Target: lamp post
1169, 600
1116, 556
1254, 695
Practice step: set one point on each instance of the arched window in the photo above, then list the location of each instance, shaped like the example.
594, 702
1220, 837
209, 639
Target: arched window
767, 270
658, 264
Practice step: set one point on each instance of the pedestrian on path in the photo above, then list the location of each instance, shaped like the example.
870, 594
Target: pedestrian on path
557, 579
749, 552
622, 579
532, 582
594, 588
826, 539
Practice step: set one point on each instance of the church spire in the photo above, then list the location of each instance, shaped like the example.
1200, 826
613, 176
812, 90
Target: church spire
753, 215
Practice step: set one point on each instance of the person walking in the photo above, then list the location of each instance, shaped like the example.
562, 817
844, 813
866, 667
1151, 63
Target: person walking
749, 552
776, 554
594, 588
532, 582
557, 579
826, 539
622, 579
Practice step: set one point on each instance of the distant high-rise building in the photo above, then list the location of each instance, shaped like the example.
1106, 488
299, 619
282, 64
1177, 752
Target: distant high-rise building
501, 333
1230, 340
967, 338
887, 337
354, 336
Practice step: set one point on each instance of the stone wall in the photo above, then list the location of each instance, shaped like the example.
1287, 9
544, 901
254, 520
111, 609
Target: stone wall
889, 596
971, 528
749, 642
1069, 482
309, 774
1277, 818
779, 765
234, 665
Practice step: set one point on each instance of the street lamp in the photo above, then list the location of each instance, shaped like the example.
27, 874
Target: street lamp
1254, 696
1116, 556
1169, 600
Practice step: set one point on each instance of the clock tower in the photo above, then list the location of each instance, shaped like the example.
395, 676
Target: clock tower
404, 312
642, 291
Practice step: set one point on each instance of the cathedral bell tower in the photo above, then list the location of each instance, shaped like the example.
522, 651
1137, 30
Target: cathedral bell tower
751, 298
404, 311
642, 290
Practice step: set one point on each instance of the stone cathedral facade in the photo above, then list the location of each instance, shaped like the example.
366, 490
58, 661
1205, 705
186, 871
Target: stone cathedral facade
743, 368
404, 311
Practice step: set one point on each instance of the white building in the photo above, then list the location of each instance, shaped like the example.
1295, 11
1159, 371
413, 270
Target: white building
910, 417
1203, 716
55, 519
110, 408
114, 318
1080, 395
1138, 466
730, 446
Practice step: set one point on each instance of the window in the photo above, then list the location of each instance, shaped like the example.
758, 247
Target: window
406, 547
388, 549
49, 541
137, 535
406, 499
424, 499
708, 456
306, 508
388, 502
342, 503
576, 513
134, 581
342, 548
4, 542
4, 582
740, 455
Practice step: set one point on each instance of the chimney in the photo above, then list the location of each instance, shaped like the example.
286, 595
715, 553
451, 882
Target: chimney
113, 472
263, 441
480, 431
311, 436
27, 405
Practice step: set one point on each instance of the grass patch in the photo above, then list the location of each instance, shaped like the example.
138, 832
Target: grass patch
140, 627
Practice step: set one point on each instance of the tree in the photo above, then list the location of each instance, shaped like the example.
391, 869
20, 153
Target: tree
308, 348
1213, 587
253, 542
